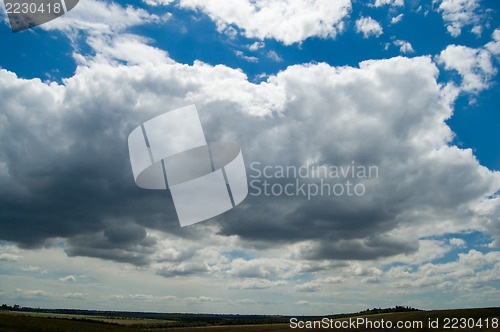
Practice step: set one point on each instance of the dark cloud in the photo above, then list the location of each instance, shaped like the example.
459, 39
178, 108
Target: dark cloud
65, 173
364, 249
69, 173
182, 270
124, 232
122, 241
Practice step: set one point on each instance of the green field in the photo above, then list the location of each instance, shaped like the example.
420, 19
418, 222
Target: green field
447, 320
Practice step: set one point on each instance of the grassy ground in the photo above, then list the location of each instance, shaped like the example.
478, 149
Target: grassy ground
28, 322
31, 323
93, 318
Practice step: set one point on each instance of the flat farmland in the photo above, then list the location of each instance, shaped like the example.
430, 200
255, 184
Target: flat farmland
485, 319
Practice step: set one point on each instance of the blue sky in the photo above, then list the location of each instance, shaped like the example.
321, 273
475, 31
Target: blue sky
408, 86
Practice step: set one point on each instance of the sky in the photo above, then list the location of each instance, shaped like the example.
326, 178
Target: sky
396, 99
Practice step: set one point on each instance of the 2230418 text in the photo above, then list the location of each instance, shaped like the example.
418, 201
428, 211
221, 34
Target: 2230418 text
33, 8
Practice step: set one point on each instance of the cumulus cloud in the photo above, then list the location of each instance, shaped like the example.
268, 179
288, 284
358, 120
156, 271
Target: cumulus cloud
494, 45
466, 273
363, 230
101, 239
459, 13
404, 46
473, 65
284, 20
368, 27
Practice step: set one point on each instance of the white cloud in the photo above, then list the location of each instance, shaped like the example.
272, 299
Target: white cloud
274, 56
428, 251
125, 47
494, 46
10, 253
397, 19
317, 284
284, 20
230, 32
204, 299
242, 55
404, 46
31, 268
473, 65
460, 243
369, 27
466, 274
150, 298
459, 13
308, 287
257, 45
31, 293
69, 278
399, 3
6, 257
265, 268
158, 2
253, 283
96, 16
477, 30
